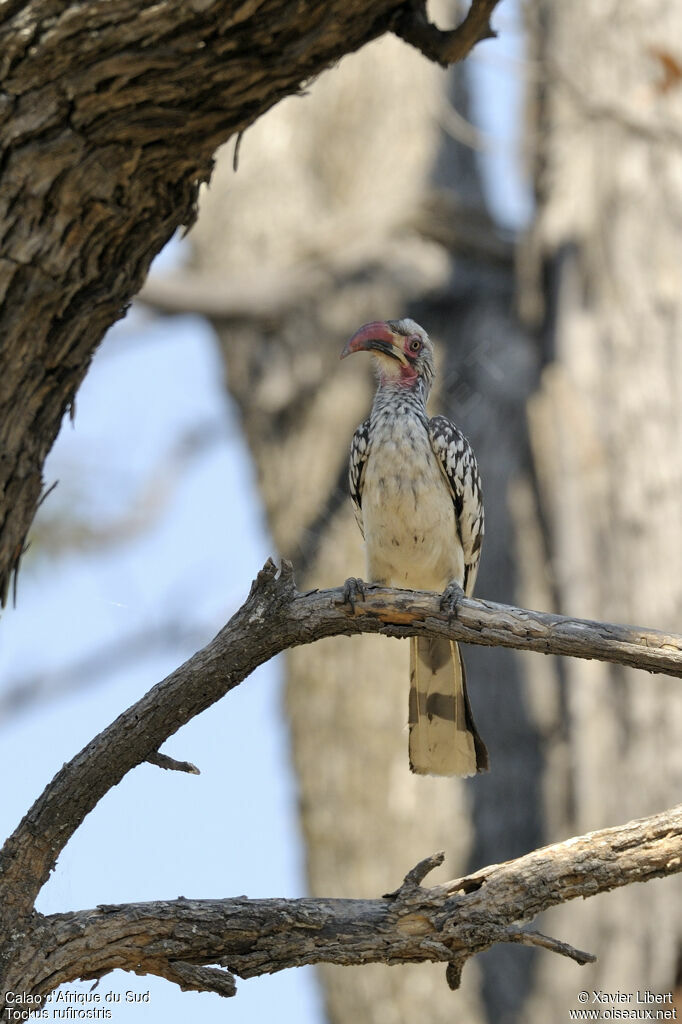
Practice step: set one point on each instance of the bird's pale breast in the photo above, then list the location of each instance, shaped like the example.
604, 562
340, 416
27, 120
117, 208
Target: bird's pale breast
408, 513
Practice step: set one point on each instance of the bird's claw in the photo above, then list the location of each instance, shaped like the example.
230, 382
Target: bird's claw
353, 590
450, 599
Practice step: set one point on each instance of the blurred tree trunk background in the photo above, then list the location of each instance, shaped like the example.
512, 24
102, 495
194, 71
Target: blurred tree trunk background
363, 201
605, 277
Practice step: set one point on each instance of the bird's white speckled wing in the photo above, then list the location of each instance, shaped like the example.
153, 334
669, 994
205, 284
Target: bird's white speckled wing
359, 451
458, 462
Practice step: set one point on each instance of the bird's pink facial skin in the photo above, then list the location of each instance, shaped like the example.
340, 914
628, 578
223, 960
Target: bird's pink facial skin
389, 349
407, 376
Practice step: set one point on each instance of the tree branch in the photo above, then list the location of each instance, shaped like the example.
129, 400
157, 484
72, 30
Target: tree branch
547, 942
273, 618
446, 923
170, 764
114, 118
445, 47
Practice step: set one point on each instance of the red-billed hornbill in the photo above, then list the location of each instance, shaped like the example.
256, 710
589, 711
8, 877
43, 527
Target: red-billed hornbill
416, 493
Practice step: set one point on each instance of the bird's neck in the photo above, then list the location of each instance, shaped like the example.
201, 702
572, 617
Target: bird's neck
392, 395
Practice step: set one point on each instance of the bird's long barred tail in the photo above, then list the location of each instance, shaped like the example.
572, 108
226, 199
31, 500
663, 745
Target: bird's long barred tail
443, 737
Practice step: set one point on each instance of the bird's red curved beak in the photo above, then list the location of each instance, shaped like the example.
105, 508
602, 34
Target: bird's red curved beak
376, 337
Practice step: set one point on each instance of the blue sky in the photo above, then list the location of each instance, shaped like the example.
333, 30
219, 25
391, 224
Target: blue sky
158, 834
232, 830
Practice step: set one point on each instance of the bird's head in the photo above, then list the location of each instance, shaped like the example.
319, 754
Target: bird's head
402, 350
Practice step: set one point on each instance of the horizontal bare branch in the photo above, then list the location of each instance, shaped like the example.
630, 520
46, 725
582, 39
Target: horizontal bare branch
447, 923
273, 618
413, 613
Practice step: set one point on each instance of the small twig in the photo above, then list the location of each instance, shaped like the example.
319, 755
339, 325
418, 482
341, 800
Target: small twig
192, 978
286, 575
46, 493
164, 761
415, 876
419, 872
547, 942
237, 147
445, 46
453, 972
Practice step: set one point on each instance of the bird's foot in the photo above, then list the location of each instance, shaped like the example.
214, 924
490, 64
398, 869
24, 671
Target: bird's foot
353, 590
450, 599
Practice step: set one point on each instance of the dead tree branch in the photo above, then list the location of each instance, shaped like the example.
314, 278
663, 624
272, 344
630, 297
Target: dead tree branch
170, 764
447, 923
445, 46
276, 617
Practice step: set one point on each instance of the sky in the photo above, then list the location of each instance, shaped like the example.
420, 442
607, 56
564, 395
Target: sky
158, 834
231, 830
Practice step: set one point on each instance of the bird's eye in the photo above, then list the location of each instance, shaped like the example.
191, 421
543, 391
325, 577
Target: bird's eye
415, 345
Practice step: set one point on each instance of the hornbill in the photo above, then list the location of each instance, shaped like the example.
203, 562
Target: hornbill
416, 494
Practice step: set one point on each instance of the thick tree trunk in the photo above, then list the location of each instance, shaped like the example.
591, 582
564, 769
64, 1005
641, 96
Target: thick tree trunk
361, 180
109, 118
607, 439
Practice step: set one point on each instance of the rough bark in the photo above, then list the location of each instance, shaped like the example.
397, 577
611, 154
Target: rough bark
607, 432
276, 617
446, 923
110, 115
